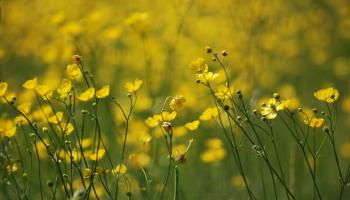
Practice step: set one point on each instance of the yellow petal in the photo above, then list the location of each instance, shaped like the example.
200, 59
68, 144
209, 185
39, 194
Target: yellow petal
192, 125
3, 88
87, 94
65, 87
133, 86
103, 92
30, 84
55, 119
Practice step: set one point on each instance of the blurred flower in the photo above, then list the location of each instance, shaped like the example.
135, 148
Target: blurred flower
215, 151
57, 118
192, 125
73, 71
209, 113
7, 128
11, 168
133, 86
224, 92
30, 84
177, 102
329, 95
120, 169
314, 122
3, 88
87, 94
199, 66
98, 155
238, 182
103, 92
65, 87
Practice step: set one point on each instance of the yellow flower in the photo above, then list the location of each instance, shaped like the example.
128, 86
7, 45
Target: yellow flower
20, 120
42, 151
166, 116
314, 122
133, 86
192, 125
30, 84
120, 169
24, 107
65, 87
139, 159
73, 71
98, 155
268, 112
3, 88
151, 122
87, 173
67, 128
7, 128
215, 151
85, 143
214, 143
177, 102
213, 155
199, 66
345, 150
43, 91
145, 138
238, 182
206, 77
55, 119
179, 150
270, 109
11, 168
87, 94
103, 92
329, 95
209, 113
223, 92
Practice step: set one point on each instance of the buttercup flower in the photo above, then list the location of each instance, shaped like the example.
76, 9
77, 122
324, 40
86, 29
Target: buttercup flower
329, 95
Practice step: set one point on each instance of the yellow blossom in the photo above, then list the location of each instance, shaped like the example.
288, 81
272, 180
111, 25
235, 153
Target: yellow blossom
238, 182
133, 86
215, 151
98, 155
7, 128
145, 138
139, 159
166, 116
87, 94
206, 77
85, 143
73, 71
177, 102
224, 92
43, 91
3, 88
30, 84
192, 125
199, 66
24, 107
55, 119
11, 168
65, 87
314, 122
329, 95
209, 113
120, 169
152, 122
213, 155
67, 128
103, 92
